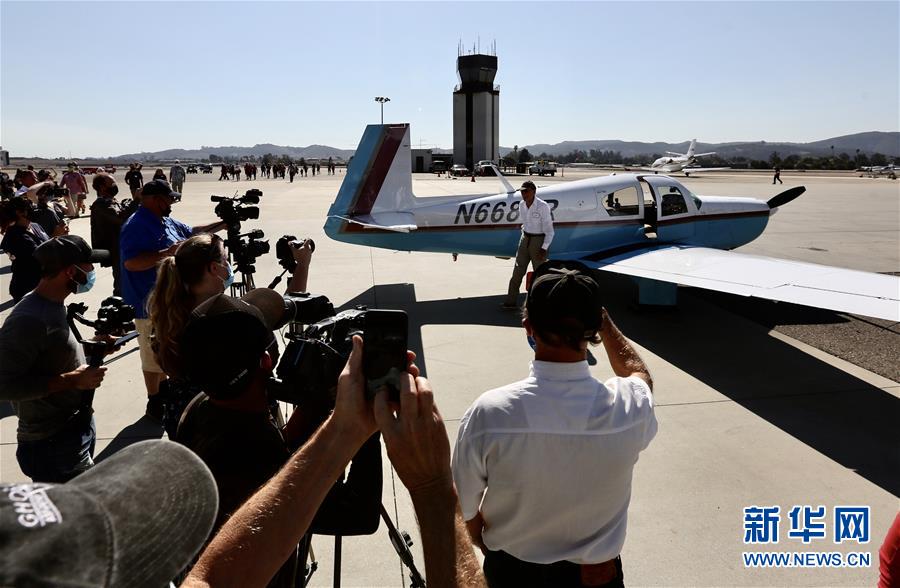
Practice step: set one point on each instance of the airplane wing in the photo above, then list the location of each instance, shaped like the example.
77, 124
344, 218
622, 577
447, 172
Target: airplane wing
820, 286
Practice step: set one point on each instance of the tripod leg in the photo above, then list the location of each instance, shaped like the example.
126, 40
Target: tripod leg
337, 561
402, 542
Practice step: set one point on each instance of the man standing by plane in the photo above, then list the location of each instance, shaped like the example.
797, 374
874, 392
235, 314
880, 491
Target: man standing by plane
537, 233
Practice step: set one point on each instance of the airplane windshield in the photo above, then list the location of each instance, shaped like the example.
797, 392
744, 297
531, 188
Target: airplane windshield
672, 201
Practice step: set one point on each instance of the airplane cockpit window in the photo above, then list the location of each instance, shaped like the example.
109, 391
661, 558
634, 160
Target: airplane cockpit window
672, 201
622, 202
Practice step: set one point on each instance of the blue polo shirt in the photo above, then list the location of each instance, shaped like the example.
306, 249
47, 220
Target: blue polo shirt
141, 233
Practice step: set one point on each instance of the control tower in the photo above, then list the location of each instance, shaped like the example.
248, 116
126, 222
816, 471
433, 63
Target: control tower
476, 111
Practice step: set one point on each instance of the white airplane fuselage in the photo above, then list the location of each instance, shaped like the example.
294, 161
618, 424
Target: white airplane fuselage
651, 210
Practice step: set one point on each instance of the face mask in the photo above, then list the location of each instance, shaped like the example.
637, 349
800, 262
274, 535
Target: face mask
90, 278
229, 279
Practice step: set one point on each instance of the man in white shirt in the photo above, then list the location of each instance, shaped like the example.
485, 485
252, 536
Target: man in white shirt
537, 233
543, 466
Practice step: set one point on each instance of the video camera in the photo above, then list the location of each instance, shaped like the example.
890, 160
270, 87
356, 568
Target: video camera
234, 210
284, 253
242, 248
315, 356
115, 318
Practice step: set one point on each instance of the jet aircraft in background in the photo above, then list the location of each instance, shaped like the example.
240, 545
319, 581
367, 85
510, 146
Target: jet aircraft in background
879, 170
649, 227
685, 163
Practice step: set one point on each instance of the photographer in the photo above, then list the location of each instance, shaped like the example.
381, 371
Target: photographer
21, 238
231, 427
148, 237
42, 366
254, 541
107, 218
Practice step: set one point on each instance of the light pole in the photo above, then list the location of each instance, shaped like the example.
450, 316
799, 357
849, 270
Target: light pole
382, 100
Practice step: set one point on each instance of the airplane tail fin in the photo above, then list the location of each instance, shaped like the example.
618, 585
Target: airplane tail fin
691, 149
379, 176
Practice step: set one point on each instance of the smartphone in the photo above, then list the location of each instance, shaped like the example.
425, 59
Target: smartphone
384, 351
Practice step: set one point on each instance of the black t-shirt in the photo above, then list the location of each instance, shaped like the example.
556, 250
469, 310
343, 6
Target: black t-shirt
21, 243
107, 217
134, 178
243, 450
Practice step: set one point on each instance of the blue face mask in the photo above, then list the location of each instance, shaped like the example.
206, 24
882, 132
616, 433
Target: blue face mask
90, 278
229, 280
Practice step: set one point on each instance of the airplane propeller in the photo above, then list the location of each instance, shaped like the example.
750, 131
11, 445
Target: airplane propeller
785, 197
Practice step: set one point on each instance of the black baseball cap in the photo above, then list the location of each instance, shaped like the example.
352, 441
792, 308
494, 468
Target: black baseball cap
60, 252
135, 519
565, 297
159, 188
223, 342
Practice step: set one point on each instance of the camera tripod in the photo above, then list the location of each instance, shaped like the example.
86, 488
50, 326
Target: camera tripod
399, 539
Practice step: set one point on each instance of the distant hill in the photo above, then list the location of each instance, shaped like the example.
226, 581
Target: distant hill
309, 152
887, 143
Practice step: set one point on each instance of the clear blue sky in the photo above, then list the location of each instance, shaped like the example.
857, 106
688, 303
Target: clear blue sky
105, 78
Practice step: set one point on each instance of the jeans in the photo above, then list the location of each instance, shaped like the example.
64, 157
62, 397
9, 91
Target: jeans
61, 457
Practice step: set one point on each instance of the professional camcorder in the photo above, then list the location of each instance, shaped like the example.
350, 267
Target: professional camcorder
114, 318
242, 248
284, 253
234, 210
315, 356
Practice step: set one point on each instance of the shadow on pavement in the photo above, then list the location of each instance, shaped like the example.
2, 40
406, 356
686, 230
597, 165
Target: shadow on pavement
835, 413
142, 429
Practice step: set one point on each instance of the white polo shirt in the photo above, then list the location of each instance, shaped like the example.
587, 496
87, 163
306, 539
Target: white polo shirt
548, 462
537, 219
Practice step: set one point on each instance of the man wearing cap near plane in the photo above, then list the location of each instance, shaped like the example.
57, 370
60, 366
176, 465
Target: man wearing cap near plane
537, 233
43, 372
543, 466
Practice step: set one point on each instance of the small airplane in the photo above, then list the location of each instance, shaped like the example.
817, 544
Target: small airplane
879, 170
685, 163
649, 227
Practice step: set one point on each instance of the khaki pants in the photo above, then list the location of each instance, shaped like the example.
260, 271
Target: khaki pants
529, 251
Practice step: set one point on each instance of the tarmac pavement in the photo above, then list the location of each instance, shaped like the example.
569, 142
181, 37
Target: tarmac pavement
747, 415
